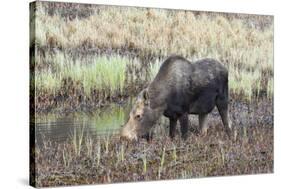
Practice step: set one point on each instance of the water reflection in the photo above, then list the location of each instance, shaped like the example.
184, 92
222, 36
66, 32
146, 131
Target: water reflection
105, 121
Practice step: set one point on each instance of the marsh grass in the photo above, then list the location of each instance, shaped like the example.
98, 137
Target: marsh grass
99, 73
246, 83
182, 32
105, 158
47, 81
209, 157
141, 39
107, 77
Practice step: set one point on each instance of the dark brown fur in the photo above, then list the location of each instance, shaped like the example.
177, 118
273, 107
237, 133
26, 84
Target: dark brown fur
181, 88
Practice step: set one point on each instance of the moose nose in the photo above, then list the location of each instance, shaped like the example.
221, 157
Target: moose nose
123, 138
127, 136
123, 135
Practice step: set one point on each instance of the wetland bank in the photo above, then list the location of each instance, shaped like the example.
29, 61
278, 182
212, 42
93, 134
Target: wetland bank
90, 61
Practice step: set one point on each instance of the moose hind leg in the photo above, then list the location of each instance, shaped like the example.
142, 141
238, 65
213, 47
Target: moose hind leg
173, 124
222, 106
184, 126
203, 124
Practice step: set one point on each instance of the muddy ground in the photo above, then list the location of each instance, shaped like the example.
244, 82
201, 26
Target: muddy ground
107, 159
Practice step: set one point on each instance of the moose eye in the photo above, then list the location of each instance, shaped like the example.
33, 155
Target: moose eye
138, 117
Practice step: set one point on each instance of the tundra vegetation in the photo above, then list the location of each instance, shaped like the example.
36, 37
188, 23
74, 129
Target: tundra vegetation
89, 56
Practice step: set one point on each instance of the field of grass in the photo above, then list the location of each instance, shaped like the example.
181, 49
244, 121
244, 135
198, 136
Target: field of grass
108, 53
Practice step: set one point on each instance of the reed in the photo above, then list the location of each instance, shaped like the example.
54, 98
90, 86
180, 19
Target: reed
77, 139
144, 163
162, 161
98, 152
89, 145
175, 153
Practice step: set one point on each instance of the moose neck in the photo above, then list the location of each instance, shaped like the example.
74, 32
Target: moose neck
156, 113
157, 103
157, 97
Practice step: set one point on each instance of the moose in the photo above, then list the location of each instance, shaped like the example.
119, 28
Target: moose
180, 88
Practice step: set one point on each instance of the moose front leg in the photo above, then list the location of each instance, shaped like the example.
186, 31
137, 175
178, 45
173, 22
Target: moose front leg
173, 124
184, 126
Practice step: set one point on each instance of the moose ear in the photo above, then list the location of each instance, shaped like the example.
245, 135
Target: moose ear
145, 96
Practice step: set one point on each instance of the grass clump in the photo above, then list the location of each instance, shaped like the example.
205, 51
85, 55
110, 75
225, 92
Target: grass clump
47, 81
99, 73
245, 83
102, 74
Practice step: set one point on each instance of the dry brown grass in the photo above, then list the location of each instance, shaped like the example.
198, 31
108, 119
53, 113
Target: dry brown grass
244, 43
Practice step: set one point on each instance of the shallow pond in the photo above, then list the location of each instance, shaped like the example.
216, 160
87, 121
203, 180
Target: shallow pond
105, 121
